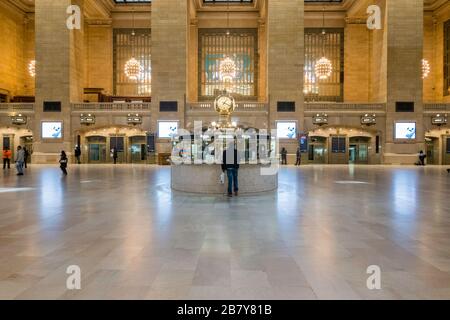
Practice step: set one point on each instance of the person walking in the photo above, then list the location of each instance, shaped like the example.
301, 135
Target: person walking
78, 154
63, 162
284, 156
299, 157
26, 155
19, 160
114, 155
230, 165
7, 154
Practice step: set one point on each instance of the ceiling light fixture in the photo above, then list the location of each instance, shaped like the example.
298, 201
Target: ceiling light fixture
133, 68
323, 67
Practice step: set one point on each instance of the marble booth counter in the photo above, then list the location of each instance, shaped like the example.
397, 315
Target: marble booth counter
205, 179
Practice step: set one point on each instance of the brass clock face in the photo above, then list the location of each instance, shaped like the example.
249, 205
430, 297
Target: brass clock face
225, 104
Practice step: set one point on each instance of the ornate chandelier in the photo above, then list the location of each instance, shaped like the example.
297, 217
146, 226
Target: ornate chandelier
32, 68
133, 69
227, 69
425, 68
323, 68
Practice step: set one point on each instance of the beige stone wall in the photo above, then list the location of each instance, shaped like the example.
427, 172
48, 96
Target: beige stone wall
404, 76
378, 58
99, 52
56, 75
16, 51
286, 57
169, 61
357, 80
77, 59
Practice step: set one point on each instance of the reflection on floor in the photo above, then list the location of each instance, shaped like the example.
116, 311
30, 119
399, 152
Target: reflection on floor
313, 239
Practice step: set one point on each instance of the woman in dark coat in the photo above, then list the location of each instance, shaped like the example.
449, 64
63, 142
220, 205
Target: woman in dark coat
63, 162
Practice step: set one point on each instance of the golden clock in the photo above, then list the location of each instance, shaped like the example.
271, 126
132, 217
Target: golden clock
224, 104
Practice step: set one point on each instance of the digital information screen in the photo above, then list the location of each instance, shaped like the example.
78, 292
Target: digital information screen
405, 130
167, 129
287, 129
52, 130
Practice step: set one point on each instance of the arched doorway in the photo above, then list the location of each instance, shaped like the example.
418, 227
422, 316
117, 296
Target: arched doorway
343, 145
97, 143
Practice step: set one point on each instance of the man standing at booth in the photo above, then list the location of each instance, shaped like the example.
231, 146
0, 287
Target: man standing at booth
230, 165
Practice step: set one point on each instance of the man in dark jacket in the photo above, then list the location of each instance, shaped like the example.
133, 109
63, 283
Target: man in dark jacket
284, 156
26, 156
230, 165
299, 157
78, 154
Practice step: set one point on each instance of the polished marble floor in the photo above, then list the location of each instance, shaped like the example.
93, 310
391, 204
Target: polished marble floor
313, 239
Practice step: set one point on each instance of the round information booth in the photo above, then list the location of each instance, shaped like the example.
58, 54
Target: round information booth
197, 158
205, 179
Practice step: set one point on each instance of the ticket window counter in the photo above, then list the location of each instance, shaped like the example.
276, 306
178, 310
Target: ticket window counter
317, 150
96, 149
359, 150
138, 149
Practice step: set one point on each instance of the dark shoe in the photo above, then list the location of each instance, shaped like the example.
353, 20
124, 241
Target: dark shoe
230, 195
236, 193
448, 170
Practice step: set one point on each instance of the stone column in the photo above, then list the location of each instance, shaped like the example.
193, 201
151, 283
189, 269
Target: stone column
169, 61
58, 74
404, 76
286, 55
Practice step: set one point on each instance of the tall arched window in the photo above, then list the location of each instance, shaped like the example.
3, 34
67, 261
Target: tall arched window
127, 46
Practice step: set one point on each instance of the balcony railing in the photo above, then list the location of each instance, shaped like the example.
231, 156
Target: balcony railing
110, 106
355, 107
240, 107
437, 107
16, 107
